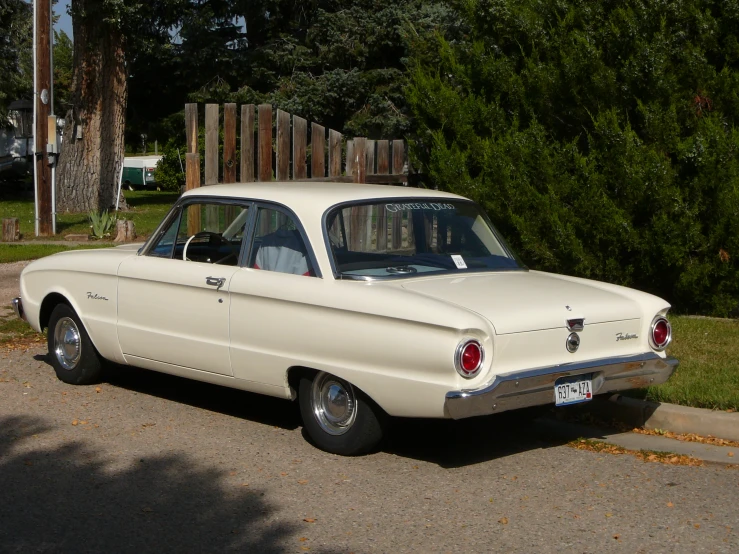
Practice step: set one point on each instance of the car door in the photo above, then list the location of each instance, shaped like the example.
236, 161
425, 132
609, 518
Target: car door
271, 310
173, 299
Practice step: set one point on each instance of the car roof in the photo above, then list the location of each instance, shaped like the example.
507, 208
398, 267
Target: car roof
315, 195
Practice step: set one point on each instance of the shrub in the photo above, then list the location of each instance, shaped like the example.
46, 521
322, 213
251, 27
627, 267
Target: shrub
600, 136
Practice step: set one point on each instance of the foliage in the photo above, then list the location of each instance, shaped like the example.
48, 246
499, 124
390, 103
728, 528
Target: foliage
16, 47
101, 224
20, 252
169, 173
63, 65
337, 62
601, 137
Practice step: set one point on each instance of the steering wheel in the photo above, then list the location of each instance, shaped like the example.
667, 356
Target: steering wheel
211, 235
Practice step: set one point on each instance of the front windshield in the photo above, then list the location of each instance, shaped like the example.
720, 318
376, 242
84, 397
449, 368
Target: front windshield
403, 237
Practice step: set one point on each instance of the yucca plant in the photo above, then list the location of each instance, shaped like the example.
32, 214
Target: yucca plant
101, 224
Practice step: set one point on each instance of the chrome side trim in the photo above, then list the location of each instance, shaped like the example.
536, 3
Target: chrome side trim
534, 387
18, 308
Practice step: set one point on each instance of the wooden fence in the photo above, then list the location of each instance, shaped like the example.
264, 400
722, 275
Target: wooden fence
294, 156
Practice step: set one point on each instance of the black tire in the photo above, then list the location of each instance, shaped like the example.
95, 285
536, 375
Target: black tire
71, 351
363, 431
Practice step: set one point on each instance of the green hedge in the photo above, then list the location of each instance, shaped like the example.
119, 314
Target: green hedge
601, 137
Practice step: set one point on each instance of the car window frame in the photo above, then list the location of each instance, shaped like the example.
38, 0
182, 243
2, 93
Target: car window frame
250, 226
175, 215
410, 200
298, 225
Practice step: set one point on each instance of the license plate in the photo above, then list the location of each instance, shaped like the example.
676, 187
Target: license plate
571, 390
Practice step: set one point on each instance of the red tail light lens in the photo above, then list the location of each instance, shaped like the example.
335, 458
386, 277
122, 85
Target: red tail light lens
469, 358
661, 334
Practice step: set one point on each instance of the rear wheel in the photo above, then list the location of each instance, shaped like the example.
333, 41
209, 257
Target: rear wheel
72, 354
338, 417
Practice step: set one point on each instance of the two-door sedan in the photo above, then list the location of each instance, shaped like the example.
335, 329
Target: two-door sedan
359, 301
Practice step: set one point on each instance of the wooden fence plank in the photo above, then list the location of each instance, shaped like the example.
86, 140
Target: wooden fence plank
381, 229
229, 143
282, 155
211, 144
383, 157
360, 160
334, 153
350, 157
300, 145
398, 156
211, 162
247, 143
191, 127
265, 142
318, 151
370, 157
397, 230
193, 182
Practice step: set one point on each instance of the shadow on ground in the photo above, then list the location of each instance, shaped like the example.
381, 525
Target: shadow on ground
67, 499
446, 443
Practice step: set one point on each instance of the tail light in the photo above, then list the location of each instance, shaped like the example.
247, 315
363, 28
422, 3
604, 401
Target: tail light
469, 358
660, 333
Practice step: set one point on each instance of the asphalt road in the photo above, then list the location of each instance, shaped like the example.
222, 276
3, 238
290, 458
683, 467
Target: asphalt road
148, 462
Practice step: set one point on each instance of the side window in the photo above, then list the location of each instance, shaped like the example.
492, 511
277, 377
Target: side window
278, 245
205, 233
163, 247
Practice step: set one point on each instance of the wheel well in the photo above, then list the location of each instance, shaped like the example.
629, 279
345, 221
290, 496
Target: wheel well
294, 374
48, 305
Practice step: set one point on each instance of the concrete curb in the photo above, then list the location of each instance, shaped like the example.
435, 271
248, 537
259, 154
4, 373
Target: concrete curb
669, 417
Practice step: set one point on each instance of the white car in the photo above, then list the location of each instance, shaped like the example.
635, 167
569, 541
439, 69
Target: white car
359, 301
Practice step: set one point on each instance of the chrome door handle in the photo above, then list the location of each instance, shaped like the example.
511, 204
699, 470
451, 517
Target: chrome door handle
217, 282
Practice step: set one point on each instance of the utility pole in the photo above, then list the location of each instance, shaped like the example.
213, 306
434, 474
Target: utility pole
43, 99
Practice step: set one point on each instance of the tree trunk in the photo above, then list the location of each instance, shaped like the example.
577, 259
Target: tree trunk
93, 146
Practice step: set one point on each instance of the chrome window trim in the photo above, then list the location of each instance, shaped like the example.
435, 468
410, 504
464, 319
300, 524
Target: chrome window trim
249, 229
413, 199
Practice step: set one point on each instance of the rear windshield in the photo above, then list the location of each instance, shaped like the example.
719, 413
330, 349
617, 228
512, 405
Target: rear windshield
410, 237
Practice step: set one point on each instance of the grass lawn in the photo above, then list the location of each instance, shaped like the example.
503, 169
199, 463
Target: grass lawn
708, 374
147, 208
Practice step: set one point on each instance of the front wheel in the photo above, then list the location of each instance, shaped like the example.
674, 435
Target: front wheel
339, 418
72, 354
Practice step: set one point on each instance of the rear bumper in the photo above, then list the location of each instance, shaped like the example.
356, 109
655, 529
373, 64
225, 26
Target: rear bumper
535, 387
18, 308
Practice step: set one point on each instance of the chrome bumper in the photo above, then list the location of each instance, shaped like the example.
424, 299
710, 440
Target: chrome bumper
18, 307
535, 387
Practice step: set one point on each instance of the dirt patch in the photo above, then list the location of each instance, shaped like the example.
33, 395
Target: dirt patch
9, 283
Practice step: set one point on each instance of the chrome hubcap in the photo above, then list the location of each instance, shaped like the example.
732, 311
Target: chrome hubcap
334, 404
68, 346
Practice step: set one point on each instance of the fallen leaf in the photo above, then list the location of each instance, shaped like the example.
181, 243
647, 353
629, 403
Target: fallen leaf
697, 525
283, 474
303, 539
244, 484
309, 519
76, 422
609, 515
28, 462
503, 520
304, 548
616, 536
730, 454
670, 504
98, 389
147, 509
232, 473
303, 482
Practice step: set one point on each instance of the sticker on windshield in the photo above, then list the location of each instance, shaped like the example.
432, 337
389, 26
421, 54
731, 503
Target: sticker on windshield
459, 261
392, 208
